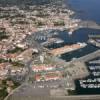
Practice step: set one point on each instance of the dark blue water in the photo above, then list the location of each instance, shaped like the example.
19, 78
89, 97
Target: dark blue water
86, 9
79, 53
80, 35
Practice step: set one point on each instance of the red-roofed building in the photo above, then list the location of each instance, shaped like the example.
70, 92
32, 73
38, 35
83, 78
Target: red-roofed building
42, 68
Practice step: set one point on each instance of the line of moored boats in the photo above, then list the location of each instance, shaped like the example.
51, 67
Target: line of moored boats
95, 71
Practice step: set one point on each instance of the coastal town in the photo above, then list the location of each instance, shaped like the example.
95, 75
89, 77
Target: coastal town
27, 63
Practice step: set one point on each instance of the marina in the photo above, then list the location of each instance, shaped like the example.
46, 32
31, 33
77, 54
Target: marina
62, 41
52, 49
91, 82
87, 10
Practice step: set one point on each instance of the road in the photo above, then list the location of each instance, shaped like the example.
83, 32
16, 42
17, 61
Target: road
85, 97
28, 65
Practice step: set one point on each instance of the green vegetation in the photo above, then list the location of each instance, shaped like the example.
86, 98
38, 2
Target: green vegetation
16, 84
39, 23
17, 16
4, 15
3, 60
71, 92
16, 63
3, 93
32, 79
25, 2
42, 14
59, 23
4, 85
3, 35
20, 22
15, 50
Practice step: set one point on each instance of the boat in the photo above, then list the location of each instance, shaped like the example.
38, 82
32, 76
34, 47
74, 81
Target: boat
70, 32
74, 58
56, 33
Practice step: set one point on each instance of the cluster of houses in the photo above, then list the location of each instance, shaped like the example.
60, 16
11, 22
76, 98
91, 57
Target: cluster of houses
49, 76
46, 72
7, 69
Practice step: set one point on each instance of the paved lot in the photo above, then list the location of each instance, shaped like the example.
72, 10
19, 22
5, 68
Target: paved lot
49, 84
38, 88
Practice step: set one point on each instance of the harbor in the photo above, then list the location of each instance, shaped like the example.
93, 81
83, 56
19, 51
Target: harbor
50, 48
91, 84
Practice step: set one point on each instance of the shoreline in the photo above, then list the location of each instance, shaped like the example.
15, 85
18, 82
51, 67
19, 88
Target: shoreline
77, 25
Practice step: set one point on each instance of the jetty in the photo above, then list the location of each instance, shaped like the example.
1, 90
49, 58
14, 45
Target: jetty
89, 56
67, 48
94, 36
89, 24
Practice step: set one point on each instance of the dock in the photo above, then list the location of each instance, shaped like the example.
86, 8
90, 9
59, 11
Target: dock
66, 49
52, 41
94, 40
94, 36
95, 43
89, 24
89, 56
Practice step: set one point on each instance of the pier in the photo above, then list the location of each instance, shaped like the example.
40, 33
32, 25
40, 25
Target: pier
52, 41
89, 24
94, 36
89, 56
95, 43
67, 48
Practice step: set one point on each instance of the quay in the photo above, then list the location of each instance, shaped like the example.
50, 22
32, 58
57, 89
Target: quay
94, 40
52, 41
95, 43
89, 24
89, 56
94, 36
67, 48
